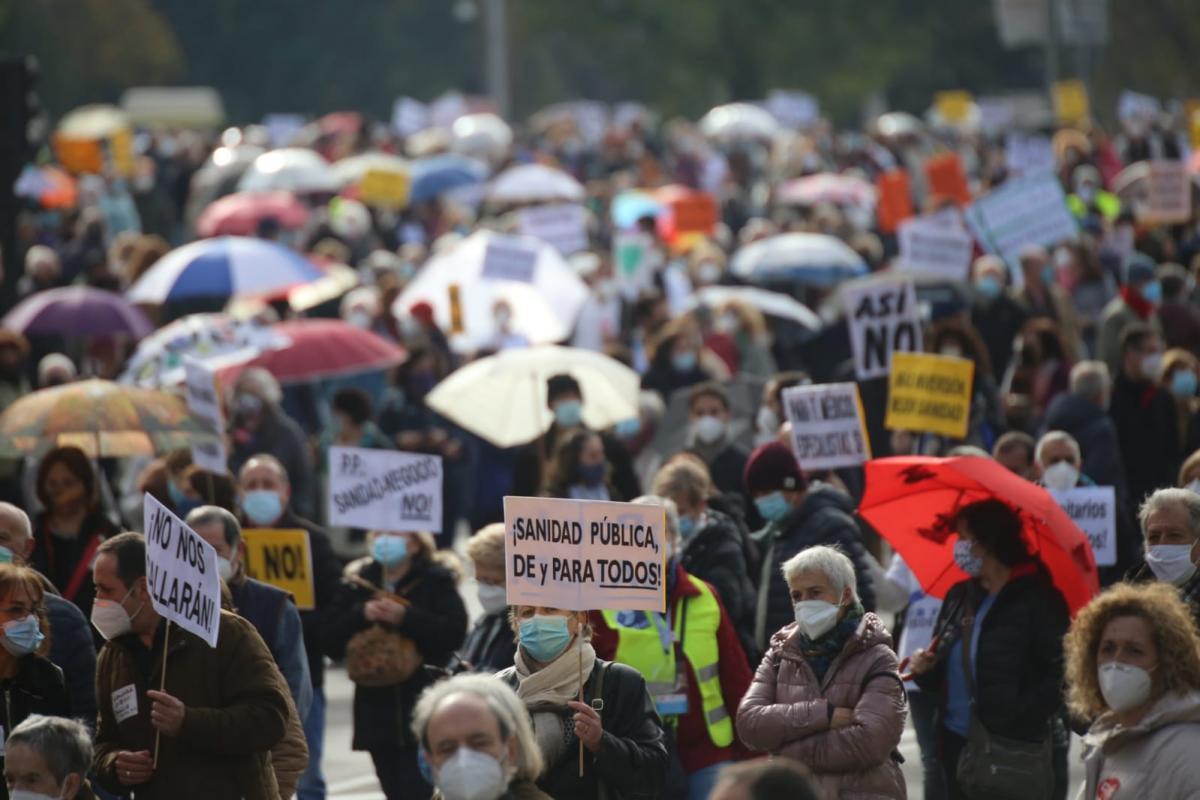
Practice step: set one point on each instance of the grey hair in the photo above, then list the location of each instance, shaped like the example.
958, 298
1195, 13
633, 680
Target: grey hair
1052, 437
1090, 379
672, 513
511, 716
829, 561
63, 744
258, 381
21, 517
207, 515
1165, 498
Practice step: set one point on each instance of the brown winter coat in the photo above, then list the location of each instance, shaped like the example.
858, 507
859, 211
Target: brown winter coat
236, 712
289, 758
786, 712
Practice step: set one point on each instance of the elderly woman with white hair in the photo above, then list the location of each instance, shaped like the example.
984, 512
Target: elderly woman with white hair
478, 740
828, 693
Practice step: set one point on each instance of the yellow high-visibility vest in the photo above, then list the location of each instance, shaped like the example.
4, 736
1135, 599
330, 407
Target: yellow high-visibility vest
642, 649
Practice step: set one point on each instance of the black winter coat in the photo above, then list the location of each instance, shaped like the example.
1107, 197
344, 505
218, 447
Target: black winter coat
1019, 664
1096, 434
714, 554
436, 622
632, 761
1146, 430
327, 574
823, 517
528, 475
491, 644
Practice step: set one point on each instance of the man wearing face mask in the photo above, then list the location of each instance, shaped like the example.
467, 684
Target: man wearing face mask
564, 398
1137, 302
478, 741
1144, 414
798, 516
1058, 458
223, 710
1170, 522
259, 425
266, 503
995, 314
48, 758
709, 414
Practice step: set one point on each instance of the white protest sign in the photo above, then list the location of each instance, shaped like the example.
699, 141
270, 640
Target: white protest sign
793, 109
409, 116
634, 260
1169, 193
883, 317
181, 573
583, 555
283, 128
563, 225
385, 490
202, 400
1025, 154
1134, 108
932, 248
1020, 212
510, 259
827, 425
1094, 510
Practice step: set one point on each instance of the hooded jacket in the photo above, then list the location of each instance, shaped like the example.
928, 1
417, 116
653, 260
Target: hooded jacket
1096, 434
1154, 759
787, 712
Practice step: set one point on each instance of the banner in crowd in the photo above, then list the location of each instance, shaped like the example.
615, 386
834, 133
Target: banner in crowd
1020, 212
946, 178
954, 106
384, 188
634, 259
894, 204
1094, 510
1169, 193
828, 427
203, 400
409, 116
385, 490
929, 393
933, 248
282, 129
282, 558
181, 573
562, 225
1071, 104
585, 554
509, 258
1027, 154
883, 318
793, 109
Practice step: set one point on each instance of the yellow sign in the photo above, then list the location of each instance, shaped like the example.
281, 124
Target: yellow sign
929, 393
384, 188
1193, 118
282, 558
954, 106
1071, 104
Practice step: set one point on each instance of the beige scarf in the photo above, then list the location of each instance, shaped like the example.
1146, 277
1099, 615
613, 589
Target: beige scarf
545, 692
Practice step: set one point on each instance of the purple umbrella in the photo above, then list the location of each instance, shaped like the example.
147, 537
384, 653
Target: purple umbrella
78, 311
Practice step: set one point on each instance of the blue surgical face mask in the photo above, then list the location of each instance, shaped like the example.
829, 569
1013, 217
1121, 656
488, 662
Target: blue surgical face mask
684, 362
989, 286
1048, 276
545, 636
966, 559
182, 503
262, 506
6, 555
568, 413
772, 507
628, 428
1183, 383
687, 527
591, 474
1152, 292
389, 549
22, 636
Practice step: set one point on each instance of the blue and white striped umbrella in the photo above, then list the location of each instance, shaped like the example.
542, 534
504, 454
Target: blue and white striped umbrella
228, 266
812, 259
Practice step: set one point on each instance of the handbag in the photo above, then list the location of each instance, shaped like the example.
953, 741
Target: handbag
379, 655
994, 767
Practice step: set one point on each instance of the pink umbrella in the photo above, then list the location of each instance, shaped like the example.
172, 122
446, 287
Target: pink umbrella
322, 348
240, 214
827, 187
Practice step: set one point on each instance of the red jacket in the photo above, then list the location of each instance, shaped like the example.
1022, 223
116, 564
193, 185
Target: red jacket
696, 749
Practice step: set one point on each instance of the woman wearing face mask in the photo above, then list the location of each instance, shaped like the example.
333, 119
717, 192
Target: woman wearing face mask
746, 326
490, 645
828, 693
1010, 618
623, 750
680, 360
68, 532
1189, 473
1133, 669
405, 587
580, 470
29, 682
1180, 371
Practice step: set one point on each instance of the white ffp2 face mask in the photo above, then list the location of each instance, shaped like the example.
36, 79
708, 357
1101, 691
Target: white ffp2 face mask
471, 775
816, 617
494, 599
1171, 563
1060, 476
1123, 686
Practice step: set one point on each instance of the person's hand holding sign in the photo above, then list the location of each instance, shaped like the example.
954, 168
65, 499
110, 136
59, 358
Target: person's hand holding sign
587, 725
384, 609
166, 712
134, 768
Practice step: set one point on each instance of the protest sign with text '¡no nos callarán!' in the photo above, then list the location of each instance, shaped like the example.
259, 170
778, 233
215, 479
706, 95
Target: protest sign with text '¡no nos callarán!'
929, 393
181, 573
585, 554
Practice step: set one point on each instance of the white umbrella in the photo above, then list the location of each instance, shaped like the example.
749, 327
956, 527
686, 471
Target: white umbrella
483, 136
543, 292
534, 183
93, 122
810, 258
503, 397
216, 340
898, 123
352, 170
736, 122
289, 169
773, 304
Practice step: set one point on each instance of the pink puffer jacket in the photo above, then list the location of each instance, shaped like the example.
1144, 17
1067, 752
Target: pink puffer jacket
786, 713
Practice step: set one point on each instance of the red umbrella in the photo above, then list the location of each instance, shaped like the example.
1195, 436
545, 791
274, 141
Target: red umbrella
322, 348
239, 214
910, 501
